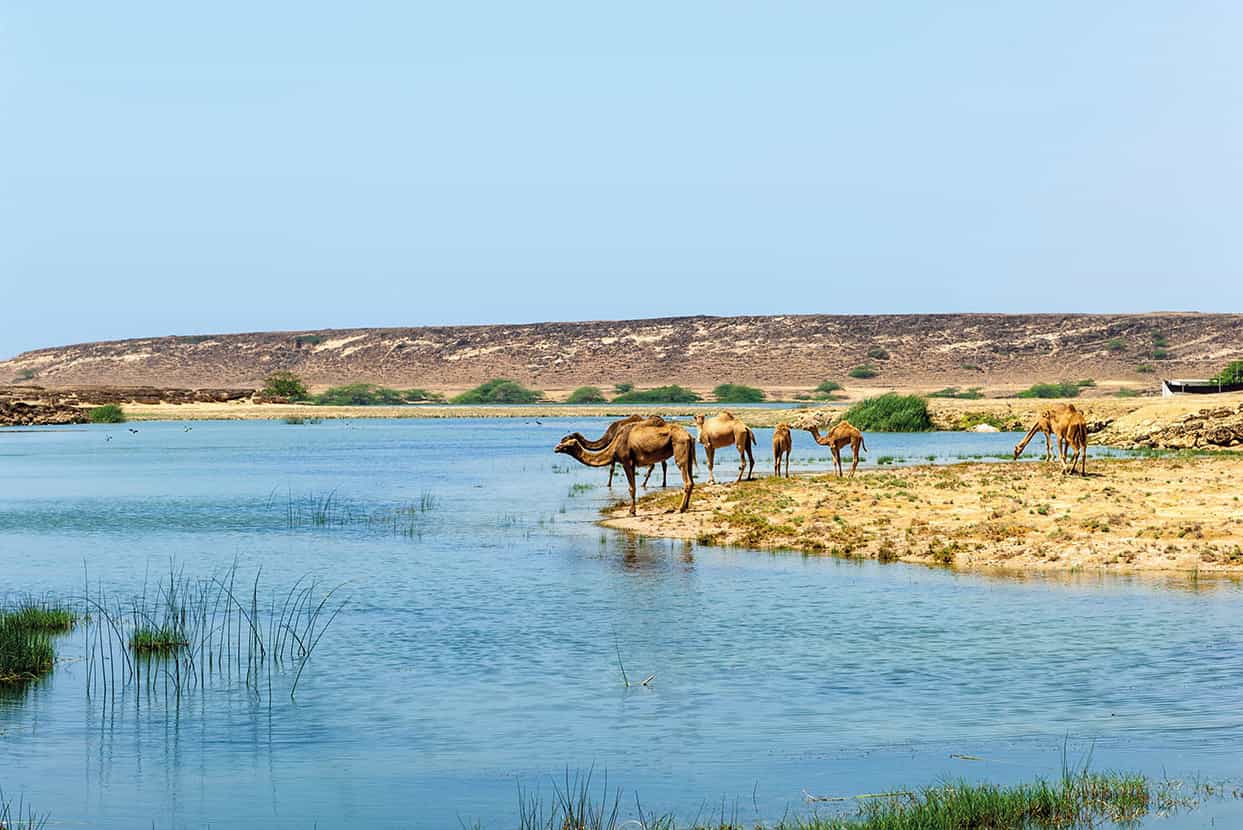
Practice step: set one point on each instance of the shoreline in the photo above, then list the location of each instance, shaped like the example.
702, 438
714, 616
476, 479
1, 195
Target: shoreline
1169, 515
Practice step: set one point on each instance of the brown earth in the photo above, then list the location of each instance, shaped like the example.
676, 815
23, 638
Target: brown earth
1170, 514
782, 354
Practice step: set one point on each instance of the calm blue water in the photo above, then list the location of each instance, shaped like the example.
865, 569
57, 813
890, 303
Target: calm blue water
478, 649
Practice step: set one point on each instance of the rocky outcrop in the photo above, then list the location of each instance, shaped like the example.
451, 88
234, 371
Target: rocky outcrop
23, 414
36, 406
1208, 428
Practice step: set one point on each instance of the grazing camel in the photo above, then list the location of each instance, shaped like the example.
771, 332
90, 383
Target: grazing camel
721, 431
1044, 424
1072, 433
783, 443
839, 436
607, 438
640, 445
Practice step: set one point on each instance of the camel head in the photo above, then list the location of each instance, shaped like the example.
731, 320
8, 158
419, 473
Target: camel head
699, 420
1018, 450
567, 444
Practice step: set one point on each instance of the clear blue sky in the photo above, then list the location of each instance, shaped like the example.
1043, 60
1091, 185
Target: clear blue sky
168, 169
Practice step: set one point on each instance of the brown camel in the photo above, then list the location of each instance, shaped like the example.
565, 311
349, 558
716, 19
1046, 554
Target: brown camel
783, 443
839, 436
721, 431
1072, 433
641, 445
611, 433
1044, 423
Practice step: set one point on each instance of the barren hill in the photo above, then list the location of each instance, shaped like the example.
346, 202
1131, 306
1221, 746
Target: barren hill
782, 352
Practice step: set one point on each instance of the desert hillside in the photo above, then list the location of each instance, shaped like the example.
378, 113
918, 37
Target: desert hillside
995, 351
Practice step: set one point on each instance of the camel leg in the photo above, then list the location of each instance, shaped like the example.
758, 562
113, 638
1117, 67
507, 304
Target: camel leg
684, 461
1048, 447
664, 474
750, 457
710, 452
854, 451
742, 459
837, 460
628, 467
612, 467
777, 463
648, 476
788, 454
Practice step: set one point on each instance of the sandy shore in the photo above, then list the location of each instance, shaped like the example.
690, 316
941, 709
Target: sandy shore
1170, 514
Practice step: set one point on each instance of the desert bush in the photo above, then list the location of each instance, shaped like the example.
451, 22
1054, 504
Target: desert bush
660, 394
737, 393
360, 394
828, 386
954, 392
499, 390
1145, 369
1232, 373
863, 372
1063, 389
891, 413
285, 385
1116, 345
877, 353
586, 394
109, 413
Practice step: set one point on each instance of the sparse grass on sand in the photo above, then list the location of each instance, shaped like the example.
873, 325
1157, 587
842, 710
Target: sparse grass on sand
1177, 512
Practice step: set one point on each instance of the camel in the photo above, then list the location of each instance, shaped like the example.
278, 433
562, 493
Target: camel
607, 438
783, 443
1044, 424
721, 431
1072, 433
641, 444
840, 435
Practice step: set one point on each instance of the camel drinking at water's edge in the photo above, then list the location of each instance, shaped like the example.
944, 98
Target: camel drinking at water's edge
607, 438
1044, 423
721, 431
840, 435
641, 444
1071, 429
783, 443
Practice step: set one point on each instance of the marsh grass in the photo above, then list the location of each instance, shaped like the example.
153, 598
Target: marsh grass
109, 413
26, 653
1078, 799
891, 413
50, 616
330, 510
19, 815
181, 634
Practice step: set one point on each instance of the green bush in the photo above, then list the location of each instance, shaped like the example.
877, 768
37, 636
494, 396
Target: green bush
1127, 392
109, 413
1160, 354
586, 394
737, 393
284, 385
1085, 383
863, 372
360, 394
499, 390
1233, 373
623, 388
1064, 389
661, 394
877, 353
1116, 345
309, 339
954, 392
1145, 369
26, 374
971, 367
891, 413
421, 396
829, 386
1159, 341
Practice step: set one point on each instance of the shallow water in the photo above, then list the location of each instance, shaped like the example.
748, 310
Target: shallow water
478, 650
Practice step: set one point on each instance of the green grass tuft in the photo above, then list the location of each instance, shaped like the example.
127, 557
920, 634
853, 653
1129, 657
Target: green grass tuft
164, 641
863, 372
891, 412
26, 653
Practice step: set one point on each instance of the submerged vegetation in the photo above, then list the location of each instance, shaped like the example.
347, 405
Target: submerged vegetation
27, 651
109, 413
891, 412
499, 390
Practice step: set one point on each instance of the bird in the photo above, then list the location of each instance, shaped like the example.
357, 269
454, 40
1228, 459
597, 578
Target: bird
108, 437
132, 430
188, 428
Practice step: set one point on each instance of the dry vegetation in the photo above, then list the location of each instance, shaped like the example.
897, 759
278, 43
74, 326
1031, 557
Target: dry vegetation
1167, 514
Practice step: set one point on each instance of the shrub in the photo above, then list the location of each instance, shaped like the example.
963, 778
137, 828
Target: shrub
972, 367
309, 339
877, 353
1085, 383
109, 413
1116, 345
863, 372
284, 385
1064, 389
1159, 341
828, 386
737, 393
499, 390
26, 374
1145, 369
421, 396
360, 394
1160, 354
953, 392
1233, 373
1127, 392
623, 388
586, 394
891, 412
661, 394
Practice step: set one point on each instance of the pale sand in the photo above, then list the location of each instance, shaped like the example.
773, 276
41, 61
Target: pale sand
1171, 514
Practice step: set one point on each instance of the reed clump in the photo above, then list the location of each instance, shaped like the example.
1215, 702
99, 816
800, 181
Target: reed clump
157, 642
